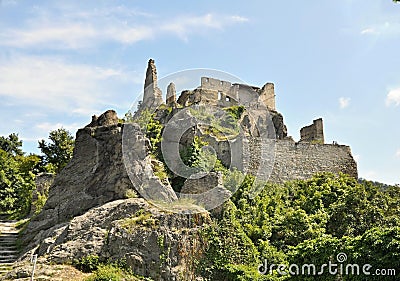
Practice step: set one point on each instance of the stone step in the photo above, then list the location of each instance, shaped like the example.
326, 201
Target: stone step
11, 234
8, 242
5, 237
5, 247
7, 256
8, 231
7, 252
8, 228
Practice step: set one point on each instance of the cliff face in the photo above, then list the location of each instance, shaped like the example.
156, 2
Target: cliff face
95, 175
88, 211
163, 246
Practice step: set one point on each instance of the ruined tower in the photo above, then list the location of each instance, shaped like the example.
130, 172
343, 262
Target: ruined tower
171, 94
267, 96
152, 96
313, 133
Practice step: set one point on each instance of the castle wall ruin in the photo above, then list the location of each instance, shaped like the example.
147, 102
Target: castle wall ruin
267, 95
313, 132
292, 160
302, 160
226, 94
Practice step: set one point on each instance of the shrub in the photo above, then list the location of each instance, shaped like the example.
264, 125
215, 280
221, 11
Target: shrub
108, 273
87, 264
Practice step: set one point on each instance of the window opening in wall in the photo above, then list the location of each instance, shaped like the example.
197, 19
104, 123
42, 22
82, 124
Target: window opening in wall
219, 95
227, 99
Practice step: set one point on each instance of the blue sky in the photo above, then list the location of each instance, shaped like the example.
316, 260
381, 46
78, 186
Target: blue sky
63, 61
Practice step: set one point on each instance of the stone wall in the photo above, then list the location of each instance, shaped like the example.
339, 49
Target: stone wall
313, 133
208, 83
301, 161
267, 95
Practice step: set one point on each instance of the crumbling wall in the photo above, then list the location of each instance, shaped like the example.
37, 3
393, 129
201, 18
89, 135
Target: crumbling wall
302, 160
171, 94
267, 95
313, 133
208, 83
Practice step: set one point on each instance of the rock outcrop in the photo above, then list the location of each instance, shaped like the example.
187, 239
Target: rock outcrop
152, 97
206, 189
171, 95
97, 173
156, 244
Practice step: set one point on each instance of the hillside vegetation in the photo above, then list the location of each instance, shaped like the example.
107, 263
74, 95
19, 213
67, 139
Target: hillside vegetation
328, 219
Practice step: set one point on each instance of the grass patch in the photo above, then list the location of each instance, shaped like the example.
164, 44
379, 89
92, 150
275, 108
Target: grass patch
159, 169
140, 218
221, 125
130, 193
180, 205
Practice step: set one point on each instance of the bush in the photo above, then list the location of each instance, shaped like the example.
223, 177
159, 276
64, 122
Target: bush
87, 264
108, 273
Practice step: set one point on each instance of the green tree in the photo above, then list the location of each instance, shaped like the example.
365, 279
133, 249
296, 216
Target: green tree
16, 184
58, 151
11, 144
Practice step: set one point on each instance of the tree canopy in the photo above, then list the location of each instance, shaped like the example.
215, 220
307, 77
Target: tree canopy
58, 151
16, 176
11, 144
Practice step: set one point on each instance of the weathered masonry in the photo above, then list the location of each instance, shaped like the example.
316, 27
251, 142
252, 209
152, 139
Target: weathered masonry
293, 160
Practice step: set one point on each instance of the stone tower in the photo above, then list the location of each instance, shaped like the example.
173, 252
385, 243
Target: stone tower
152, 96
267, 96
171, 94
313, 133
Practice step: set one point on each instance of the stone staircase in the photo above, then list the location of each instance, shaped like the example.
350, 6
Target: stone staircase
8, 245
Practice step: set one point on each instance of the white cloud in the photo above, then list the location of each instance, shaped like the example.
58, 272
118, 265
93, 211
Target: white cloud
86, 29
393, 97
68, 36
344, 102
369, 30
357, 157
386, 28
55, 85
46, 127
398, 153
184, 26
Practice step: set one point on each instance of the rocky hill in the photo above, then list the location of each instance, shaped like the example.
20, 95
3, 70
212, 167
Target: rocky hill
144, 190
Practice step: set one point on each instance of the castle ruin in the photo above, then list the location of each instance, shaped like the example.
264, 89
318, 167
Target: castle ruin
221, 93
293, 160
